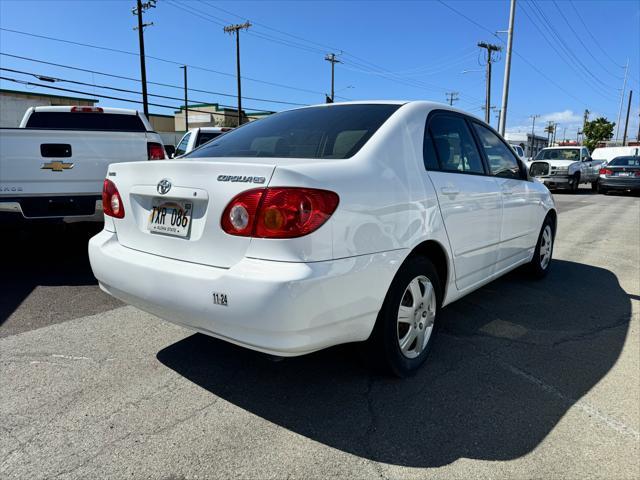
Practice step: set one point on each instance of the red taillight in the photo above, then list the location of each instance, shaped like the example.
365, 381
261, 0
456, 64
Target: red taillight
111, 200
87, 109
605, 171
155, 151
278, 212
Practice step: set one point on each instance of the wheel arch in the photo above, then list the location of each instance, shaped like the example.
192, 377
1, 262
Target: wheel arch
435, 251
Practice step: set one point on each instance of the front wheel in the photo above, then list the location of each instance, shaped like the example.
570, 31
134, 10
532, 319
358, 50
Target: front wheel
574, 184
541, 261
406, 324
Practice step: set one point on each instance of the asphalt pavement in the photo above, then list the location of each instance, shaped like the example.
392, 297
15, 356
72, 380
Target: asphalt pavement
527, 379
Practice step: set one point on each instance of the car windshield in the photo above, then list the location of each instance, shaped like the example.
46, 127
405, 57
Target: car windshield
625, 162
559, 154
336, 131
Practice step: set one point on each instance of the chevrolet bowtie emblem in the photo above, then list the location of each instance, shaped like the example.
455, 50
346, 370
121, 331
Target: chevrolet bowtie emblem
56, 166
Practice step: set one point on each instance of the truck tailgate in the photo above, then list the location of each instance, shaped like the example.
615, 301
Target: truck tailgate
69, 162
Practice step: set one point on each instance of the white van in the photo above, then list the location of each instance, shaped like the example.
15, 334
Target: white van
606, 154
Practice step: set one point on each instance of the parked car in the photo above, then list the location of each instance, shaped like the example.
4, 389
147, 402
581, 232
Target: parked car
519, 150
53, 166
606, 154
565, 167
324, 225
622, 174
198, 136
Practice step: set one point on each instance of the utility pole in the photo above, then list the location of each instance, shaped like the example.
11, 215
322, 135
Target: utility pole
138, 11
236, 29
186, 101
626, 123
331, 57
490, 49
624, 86
507, 70
585, 118
564, 135
497, 111
533, 133
452, 97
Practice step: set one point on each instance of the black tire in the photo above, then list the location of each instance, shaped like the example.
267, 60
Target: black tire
602, 189
595, 186
383, 347
575, 183
537, 268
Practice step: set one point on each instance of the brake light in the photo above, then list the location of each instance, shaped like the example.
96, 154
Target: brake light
87, 109
605, 171
155, 151
111, 200
278, 212
637, 174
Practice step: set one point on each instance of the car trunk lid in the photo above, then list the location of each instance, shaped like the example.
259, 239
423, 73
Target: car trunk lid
206, 186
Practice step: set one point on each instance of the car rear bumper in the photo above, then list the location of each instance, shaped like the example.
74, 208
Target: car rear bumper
629, 183
280, 308
61, 208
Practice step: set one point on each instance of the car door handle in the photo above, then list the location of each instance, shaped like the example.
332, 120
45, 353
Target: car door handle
450, 190
507, 192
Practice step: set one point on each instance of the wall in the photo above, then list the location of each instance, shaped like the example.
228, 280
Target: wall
13, 105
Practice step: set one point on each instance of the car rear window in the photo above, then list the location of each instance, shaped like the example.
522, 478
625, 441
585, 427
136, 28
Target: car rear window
337, 131
86, 121
206, 136
625, 162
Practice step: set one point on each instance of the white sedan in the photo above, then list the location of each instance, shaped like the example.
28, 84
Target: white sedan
324, 225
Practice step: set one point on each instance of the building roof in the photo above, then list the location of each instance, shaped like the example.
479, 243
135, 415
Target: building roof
22, 92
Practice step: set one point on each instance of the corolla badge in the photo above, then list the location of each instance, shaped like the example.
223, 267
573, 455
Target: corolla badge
164, 186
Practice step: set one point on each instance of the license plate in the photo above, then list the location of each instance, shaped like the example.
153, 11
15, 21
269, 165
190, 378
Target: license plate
170, 217
623, 174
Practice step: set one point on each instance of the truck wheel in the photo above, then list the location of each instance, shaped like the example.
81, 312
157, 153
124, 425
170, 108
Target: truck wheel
406, 324
575, 183
541, 260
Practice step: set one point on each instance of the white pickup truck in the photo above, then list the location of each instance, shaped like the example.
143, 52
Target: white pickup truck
54, 164
198, 136
565, 167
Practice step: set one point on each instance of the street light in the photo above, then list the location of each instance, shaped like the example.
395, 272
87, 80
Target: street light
470, 71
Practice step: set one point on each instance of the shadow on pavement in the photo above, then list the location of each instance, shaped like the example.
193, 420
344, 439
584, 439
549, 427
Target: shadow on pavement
44, 255
511, 359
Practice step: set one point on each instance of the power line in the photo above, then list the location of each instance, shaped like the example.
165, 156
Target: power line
123, 90
173, 62
452, 97
588, 30
122, 77
33, 84
586, 49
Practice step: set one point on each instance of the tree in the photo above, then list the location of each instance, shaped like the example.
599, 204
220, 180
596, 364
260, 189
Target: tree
596, 131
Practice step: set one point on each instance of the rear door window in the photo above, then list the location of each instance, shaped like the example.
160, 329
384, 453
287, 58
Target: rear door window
454, 145
86, 121
336, 131
502, 162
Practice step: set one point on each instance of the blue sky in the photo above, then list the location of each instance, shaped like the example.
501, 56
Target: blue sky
569, 54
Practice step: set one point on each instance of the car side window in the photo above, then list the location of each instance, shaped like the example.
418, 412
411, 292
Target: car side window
182, 146
429, 152
454, 145
585, 154
502, 161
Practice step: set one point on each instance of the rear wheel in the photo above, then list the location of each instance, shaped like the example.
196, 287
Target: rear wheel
602, 189
406, 324
541, 261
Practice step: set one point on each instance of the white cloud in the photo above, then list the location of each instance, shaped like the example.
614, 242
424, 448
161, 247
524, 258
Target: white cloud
565, 117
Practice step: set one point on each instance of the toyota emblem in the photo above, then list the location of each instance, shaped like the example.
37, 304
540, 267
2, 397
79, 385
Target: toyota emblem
164, 186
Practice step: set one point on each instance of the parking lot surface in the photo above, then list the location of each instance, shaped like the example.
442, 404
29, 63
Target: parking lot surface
528, 379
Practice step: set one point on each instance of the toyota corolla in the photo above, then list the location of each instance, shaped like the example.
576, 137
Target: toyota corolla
324, 225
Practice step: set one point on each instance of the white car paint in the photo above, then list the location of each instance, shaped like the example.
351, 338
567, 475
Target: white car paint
294, 296
25, 180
